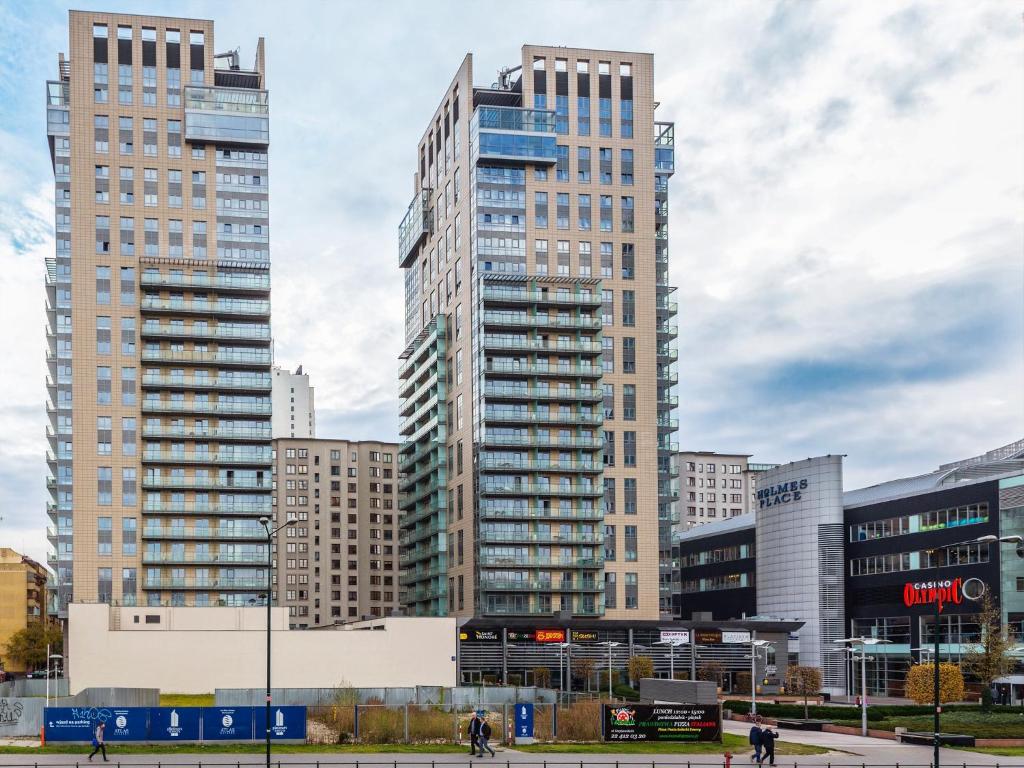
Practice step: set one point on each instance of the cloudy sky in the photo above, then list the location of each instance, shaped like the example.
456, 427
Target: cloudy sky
846, 226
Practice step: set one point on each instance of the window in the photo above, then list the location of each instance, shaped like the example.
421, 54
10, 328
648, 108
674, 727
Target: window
628, 354
609, 449
583, 165
103, 435
606, 213
629, 308
630, 540
128, 387
627, 214
101, 133
610, 596
561, 163
632, 592
626, 167
104, 584
129, 495
103, 385
104, 486
127, 286
629, 402
628, 261
584, 213
540, 210
128, 437
103, 334
609, 542
608, 354
629, 495
128, 336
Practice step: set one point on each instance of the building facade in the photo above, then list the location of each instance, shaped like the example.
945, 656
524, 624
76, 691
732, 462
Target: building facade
158, 315
905, 543
22, 599
536, 387
338, 561
294, 414
715, 486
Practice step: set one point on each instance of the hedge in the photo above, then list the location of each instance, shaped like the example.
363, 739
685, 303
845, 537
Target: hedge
831, 712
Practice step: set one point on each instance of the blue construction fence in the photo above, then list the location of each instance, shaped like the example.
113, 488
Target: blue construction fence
169, 724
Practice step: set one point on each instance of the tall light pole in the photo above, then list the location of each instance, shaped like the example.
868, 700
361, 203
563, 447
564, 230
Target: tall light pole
934, 554
610, 644
265, 522
672, 645
863, 642
755, 646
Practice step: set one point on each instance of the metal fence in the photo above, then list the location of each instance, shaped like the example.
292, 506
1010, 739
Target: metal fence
301, 761
460, 696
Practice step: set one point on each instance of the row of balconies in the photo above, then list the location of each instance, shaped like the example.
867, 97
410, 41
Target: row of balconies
539, 585
242, 509
553, 513
204, 558
543, 441
536, 537
207, 483
524, 320
245, 434
252, 332
412, 514
544, 368
197, 306
229, 458
496, 488
261, 358
254, 282
547, 465
505, 561
551, 346
216, 407
177, 532
199, 582
581, 393
503, 415
413, 576
228, 382
492, 295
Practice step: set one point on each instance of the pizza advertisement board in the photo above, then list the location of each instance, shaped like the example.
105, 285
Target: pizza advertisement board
663, 722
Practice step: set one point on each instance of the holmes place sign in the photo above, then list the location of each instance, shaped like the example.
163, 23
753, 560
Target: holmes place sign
781, 493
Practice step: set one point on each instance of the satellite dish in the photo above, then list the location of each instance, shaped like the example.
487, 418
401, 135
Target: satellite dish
973, 589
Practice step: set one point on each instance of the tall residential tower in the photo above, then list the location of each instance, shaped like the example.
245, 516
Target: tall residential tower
536, 386
159, 316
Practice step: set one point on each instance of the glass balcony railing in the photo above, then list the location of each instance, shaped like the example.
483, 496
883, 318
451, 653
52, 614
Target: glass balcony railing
246, 458
261, 383
530, 417
253, 308
205, 508
259, 282
254, 357
543, 441
506, 561
538, 585
522, 320
213, 483
207, 433
415, 576
539, 489
203, 331
537, 537
491, 341
514, 134
415, 226
556, 298
218, 407
227, 115
512, 368
587, 394
204, 558
553, 513
246, 533
551, 465
415, 513
186, 582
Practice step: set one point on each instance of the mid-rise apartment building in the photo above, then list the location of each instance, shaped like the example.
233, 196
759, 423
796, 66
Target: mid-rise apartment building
22, 599
291, 396
716, 485
158, 307
535, 390
339, 560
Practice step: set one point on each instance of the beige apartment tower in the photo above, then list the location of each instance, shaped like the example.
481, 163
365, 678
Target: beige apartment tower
158, 307
716, 485
338, 562
535, 390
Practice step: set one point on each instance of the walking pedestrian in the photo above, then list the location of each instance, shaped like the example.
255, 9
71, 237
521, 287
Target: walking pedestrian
98, 743
474, 731
484, 737
755, 740
768, 737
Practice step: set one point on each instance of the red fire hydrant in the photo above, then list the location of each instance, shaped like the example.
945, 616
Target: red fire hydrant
728, 759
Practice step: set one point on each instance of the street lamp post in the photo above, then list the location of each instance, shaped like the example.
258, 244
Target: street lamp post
611, 644
755, 646
265, 522
672, 645
936, 687
863, 642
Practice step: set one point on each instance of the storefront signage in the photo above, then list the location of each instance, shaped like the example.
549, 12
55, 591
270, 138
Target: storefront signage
584, 635
677, 636
735, 636
550, 635
707, 636
227, 723
781, 493
518, 635
481, 635
661, 722
930, 592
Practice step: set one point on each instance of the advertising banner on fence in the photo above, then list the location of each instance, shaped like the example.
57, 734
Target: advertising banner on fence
174, 723
285, 722
79, 723
663, 722
227, 723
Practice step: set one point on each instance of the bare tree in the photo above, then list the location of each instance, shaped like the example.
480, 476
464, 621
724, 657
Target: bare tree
803, 681
990, 658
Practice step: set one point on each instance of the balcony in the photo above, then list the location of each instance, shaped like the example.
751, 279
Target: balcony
227, 115
246, 434
412, 514
504, 561
204, 558
513, 134
522, 320
259, 383
553, 298
536, 537
170, 582
238, 458
541, 346
537, 585
569, 465
411, 577
207, 483
225, 357
548, 441
193, 508
410, 537
538, 489
237, 308
247, 282
205, 331
221, 408
554, 513
584, 394
415, 227
244, 533
422, 595
509, 416
544, 369
410, 499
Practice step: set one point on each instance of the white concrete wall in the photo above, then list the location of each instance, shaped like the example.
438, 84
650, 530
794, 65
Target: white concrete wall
196, 650
292, 404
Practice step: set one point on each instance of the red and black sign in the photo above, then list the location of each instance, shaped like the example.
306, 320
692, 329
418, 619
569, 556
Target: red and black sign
550, 635
930, 592
663, 722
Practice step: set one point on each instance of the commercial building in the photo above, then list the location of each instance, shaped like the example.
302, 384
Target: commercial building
158, 315
189, 650
877, 570
291, 395
339, 560
535, 391
22, 599
715, 485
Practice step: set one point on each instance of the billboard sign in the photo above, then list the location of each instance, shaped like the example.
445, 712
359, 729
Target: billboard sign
227, 723
285, 722
677, 636
174, 723
663, 722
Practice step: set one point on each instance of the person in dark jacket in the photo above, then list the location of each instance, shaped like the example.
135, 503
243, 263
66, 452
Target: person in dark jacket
768, 737
474, 732
755, 740
484, 737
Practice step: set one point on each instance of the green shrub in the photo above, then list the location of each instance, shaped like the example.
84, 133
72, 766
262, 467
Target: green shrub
832, 712
623, 691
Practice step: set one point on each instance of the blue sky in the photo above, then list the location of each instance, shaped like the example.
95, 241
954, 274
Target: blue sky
845, 219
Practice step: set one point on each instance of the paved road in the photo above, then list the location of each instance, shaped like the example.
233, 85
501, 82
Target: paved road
845, 751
